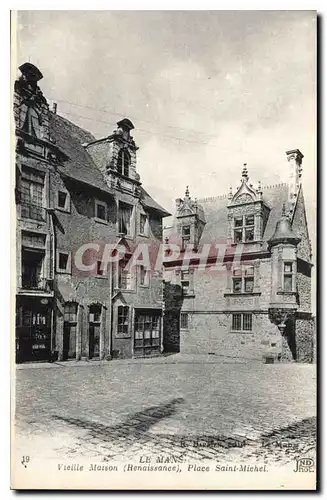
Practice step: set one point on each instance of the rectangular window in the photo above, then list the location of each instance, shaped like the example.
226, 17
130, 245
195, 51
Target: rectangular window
31, 196
63, 261
244, 229
248, 284
95, 314
125, 276
242, 322
186, 230
243, 280
63, 201
101, 211
125, 216
143, 224
122, 324
238, 236
249, 220
185, 281
32, 269
288, 276
237, 285
144, 276
184, 320
70, 312
237, 322
247, 322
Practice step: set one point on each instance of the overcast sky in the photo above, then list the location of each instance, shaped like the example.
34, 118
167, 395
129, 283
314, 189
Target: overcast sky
207, 91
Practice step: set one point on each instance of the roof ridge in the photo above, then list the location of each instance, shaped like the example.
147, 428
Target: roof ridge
224, 196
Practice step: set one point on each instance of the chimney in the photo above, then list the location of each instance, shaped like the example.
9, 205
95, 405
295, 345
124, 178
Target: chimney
294, 158
54, 108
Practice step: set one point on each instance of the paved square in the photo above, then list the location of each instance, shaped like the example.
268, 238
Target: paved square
192, 408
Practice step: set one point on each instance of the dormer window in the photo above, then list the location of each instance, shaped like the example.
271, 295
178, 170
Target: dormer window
123, 163
186, 236
244, 229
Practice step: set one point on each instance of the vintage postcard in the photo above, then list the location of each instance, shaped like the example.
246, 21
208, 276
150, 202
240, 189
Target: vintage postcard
164, 192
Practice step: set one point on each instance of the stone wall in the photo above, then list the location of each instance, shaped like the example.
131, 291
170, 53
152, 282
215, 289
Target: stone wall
305, 340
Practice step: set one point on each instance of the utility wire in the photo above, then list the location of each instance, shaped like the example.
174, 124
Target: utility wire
134, 118
138, 129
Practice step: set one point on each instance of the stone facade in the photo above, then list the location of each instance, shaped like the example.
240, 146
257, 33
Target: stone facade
246, 282
72, 191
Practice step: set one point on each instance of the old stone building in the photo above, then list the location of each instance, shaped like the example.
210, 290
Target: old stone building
241, 286
75, 195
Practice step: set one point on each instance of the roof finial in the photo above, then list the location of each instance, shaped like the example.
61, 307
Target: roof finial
283, 210
187, 192
245, 172
230, 194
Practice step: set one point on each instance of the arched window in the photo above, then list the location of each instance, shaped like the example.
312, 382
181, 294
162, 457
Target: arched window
124, 161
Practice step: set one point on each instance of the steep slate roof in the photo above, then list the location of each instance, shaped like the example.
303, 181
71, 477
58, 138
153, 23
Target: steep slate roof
69, 138
80, 166
216, 211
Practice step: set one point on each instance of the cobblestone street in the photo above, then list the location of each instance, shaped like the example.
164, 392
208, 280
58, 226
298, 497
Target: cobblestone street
190, 408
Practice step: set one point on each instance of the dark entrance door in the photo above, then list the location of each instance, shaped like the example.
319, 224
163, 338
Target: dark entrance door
147, 333
33, 330
94, 330
69, 344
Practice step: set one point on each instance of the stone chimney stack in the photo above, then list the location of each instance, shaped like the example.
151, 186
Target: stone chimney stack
294, 158
54, 108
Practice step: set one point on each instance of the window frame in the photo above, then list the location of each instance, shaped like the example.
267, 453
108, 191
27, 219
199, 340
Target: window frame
245, 321
122, 333
68, 269
66, 207
145, 232
243, 277
102, 204
122, 164
146, 282
130, 273
243, 229
289, 274
184, 320
130, 233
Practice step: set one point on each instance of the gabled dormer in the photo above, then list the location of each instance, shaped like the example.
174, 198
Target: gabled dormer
190, 221
32, 115
115, 156
247, 213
